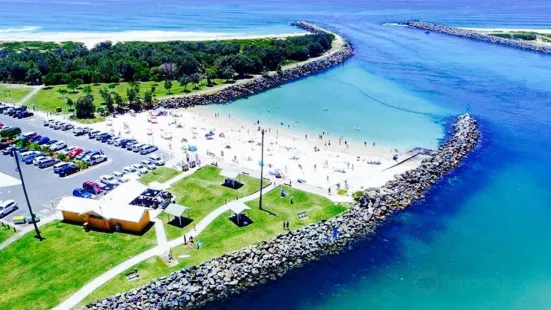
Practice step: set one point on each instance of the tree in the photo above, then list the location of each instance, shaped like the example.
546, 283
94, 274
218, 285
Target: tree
72, 85
168, 85
148, 98
153, 88
69, 102
62, 92
118, 101
107, 99
227, 73
184, 80
131, 94
33, 76
87, 89
195, 78
85, 107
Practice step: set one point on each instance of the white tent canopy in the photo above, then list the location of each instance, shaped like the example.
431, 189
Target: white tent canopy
237, 206
7, 180
125, 193
229, 174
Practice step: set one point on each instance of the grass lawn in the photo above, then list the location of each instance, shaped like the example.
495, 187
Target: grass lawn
15, 93
5, 233
39, 275
203, 192
223, 236
48, 99
161, 175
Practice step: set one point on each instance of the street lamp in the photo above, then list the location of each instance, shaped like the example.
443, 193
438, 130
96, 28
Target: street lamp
16, 156
261, 168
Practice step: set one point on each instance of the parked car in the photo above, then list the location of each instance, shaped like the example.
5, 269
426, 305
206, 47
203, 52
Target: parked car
59, 166
19, 150
60, 145
146, 149
92, 187
108, 187
129, 170
9, 111
42, 140
130, 145
86, 129
125, 142
35, 138
90, 154
75, 152
66, 127
78, 131
67, 150
23, 114
104, 138
82, 193
7, 207
9, 150
140, 168
148, 164
57, 125
68, 170
4, 145
47, 162
24, 155
108, 179
156, 159
120, 176
101, 136
30, 158
38, 159
82, 155
47, 122
27, 135
96, 159
136, 148
19, 219
31, 219
113, 140
49, 143
93, 134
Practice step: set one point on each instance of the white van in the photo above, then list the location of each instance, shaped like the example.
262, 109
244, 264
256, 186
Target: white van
146, 149
156, 159
137, 147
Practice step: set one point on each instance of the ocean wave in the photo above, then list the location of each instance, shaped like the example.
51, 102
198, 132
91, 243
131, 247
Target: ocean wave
22, 29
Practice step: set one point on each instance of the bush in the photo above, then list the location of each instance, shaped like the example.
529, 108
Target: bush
81, 165
357, 195
62, 157
341, 192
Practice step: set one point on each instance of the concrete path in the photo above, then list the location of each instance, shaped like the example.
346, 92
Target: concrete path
35, 90
27, 229
160, 249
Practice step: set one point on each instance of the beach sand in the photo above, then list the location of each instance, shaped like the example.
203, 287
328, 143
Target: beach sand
90, 39
544, 31
238, 143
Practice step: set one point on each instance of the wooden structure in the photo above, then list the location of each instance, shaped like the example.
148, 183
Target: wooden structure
101, 215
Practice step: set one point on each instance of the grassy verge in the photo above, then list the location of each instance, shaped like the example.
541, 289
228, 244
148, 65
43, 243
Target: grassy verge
15, 93
223, 236
49, 99
5, 233
161, 175
39, 275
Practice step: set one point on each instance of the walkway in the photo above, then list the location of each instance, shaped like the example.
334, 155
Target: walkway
160, 249
35, 90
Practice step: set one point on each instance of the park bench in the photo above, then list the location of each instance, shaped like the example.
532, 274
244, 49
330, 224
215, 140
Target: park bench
302, 215
134, 275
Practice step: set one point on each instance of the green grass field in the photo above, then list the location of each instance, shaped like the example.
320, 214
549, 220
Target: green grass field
223, 236
5, 233
40, 274
15, 93
161, 175
48, 99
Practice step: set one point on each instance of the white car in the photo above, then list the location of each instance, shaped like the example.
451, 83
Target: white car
129, 170
37, 159
140, 168
7, 207
58, 146
67, 150
96, 159
166, 135
108, 179
156, 159
148, 164
121, 177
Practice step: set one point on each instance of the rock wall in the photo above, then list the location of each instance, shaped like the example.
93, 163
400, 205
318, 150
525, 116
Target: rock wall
260, 84
468, 34
235, 272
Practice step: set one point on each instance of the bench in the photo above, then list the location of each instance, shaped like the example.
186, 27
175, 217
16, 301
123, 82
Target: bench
302, 215
134, 275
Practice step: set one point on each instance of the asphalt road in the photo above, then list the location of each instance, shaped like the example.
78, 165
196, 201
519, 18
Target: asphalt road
44, 187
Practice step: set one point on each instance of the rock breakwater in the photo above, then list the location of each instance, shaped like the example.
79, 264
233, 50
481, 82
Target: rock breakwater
472, 35
263, 83
236, 272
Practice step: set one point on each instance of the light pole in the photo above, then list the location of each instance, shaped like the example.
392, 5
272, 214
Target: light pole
261, 168
16, 156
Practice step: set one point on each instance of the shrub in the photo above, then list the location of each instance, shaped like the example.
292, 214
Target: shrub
62, 157
357, 195
341, 192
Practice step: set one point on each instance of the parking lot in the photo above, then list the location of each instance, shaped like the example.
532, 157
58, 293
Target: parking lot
44, 187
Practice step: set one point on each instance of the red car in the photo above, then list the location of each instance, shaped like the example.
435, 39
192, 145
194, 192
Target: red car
75, 152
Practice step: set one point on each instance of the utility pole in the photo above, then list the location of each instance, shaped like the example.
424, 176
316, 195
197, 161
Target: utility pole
261, 169
16, 156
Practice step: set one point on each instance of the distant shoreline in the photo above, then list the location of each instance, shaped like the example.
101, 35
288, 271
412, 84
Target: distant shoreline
90, 39
543, 30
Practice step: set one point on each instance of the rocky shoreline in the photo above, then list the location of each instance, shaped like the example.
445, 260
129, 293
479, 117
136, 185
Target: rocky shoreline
236, 272
472, 35
260, 84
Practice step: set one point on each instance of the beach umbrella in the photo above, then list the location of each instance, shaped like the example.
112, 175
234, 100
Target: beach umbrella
193, 148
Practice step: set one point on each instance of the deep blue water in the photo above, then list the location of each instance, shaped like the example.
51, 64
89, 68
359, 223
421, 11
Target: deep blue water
480, 240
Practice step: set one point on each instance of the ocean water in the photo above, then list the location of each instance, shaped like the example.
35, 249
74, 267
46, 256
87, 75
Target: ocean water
480, 240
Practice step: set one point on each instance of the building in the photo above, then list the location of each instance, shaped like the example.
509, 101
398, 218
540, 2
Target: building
104, 215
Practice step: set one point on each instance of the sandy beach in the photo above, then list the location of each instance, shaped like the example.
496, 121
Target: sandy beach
295, 158
544, 31
92, 38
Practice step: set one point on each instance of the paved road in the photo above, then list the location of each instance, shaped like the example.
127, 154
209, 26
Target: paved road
43, 186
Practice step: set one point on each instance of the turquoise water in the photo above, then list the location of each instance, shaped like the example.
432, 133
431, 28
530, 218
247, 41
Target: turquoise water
481, 238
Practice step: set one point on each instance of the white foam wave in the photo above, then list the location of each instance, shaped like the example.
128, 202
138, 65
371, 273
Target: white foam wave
24, 29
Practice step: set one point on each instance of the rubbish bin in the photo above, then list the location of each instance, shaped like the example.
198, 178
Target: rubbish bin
86, 227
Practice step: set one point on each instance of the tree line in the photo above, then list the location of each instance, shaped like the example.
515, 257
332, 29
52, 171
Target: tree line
65, 63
